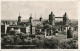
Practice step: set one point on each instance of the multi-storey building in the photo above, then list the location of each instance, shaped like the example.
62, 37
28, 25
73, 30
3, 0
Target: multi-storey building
30, 26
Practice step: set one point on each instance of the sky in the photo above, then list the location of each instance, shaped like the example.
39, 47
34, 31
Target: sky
10, 9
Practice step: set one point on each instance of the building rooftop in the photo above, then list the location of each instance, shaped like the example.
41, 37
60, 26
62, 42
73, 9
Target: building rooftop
18, 26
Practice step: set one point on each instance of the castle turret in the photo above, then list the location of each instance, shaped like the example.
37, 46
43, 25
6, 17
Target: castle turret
40, 18
19, 18
31, 19
65, 19
52, 19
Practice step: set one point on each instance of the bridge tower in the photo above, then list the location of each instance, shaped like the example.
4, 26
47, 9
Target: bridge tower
65, 19
52, 19
31, 19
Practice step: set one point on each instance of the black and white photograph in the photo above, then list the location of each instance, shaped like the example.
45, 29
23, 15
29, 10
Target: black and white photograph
39, 25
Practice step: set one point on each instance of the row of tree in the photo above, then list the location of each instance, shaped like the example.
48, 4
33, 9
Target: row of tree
39, 42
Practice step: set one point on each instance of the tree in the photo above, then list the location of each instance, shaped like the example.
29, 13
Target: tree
68, 44
39, 26
47, 26
51, 43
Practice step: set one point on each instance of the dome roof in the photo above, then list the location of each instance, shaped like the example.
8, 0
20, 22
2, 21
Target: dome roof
19, 16
30, 18
40, 17
65, 14
52, 14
